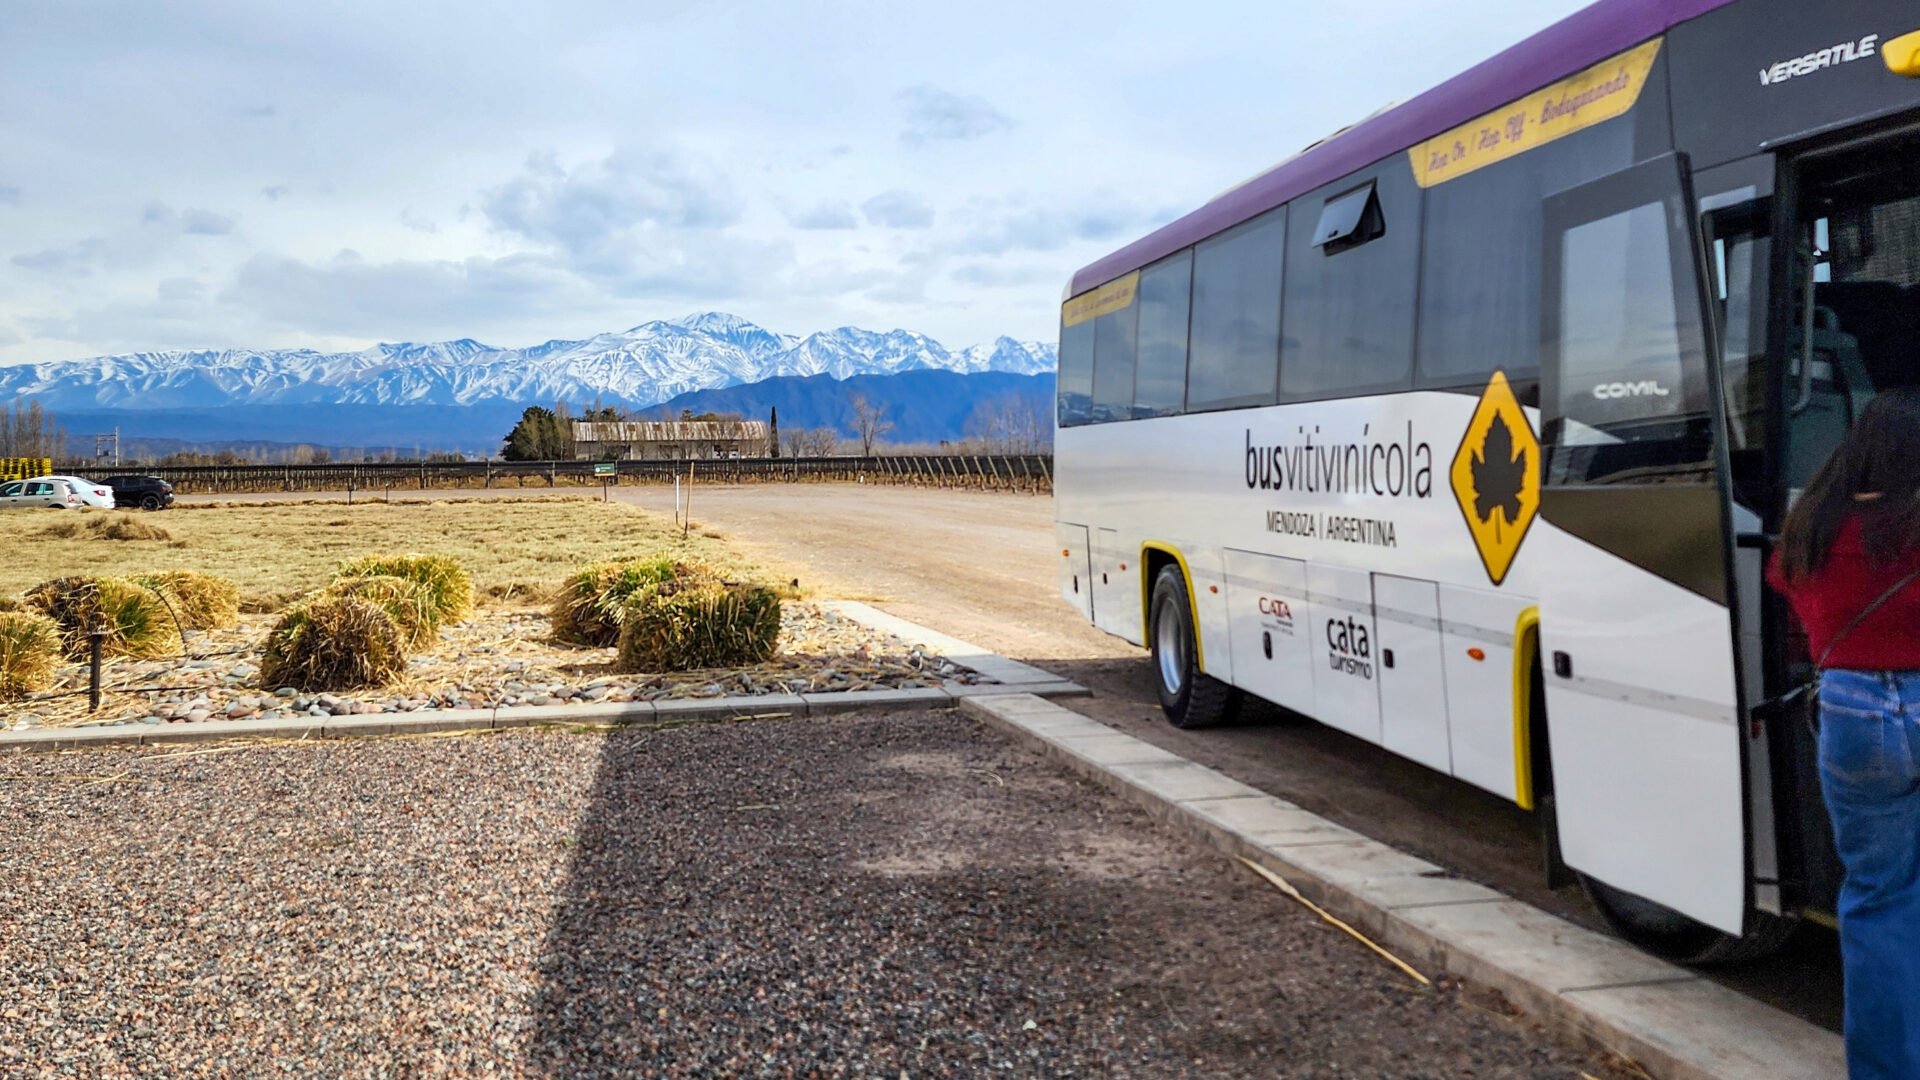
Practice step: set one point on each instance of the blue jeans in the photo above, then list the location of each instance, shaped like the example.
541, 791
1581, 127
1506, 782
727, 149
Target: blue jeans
1870, 774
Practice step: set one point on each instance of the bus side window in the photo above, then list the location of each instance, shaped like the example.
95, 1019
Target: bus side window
1234, 357
1350, 287
1631, 403
1113, 356
1076, 374
1480, 263
1160, 381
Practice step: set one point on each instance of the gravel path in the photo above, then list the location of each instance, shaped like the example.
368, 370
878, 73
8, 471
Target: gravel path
899, 895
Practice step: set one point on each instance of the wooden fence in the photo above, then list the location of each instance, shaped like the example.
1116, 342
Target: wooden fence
1002, 472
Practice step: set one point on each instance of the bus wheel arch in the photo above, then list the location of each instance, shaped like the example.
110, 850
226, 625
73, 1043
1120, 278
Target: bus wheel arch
1189, 697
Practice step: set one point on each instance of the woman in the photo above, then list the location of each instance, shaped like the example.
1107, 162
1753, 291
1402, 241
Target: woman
1848, 562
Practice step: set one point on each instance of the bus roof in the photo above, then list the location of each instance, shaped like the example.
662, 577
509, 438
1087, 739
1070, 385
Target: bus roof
1581, 40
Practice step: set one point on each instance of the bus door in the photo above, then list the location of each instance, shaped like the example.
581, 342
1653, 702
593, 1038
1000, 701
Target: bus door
1635, 628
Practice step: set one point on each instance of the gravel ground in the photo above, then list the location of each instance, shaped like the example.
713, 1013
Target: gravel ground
905, 895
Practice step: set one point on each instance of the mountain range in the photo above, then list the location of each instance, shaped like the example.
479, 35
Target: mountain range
644, 366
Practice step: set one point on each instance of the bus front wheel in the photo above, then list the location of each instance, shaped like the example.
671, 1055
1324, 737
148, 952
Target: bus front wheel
1190, 698
1670, 935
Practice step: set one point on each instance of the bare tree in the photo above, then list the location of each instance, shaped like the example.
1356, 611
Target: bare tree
28, 430
870, 421
811, 442
1011, 424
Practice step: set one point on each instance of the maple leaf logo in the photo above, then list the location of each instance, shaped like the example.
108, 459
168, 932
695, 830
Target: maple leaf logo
1499, 474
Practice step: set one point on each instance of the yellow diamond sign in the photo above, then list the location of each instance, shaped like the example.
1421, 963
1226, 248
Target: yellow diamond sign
1496, 476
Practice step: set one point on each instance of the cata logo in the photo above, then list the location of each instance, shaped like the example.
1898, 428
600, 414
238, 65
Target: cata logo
1496, 476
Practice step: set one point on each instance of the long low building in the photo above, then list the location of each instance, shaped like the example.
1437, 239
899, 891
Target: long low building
668, 440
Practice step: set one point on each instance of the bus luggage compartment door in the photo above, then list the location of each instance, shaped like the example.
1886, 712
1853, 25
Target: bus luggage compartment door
1345, 661
1413, 689
1076, 567
1119, 605
1267, 628
1635, 630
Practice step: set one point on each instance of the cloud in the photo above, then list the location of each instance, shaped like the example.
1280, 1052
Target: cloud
996, 275
934, 114
349, 295
636, 224
576, 210
833, 215
9, 194
276, 192
156, 233
1049, 229
206, 223
898, 209
177, 314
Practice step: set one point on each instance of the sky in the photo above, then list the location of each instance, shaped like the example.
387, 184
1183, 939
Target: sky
332, 174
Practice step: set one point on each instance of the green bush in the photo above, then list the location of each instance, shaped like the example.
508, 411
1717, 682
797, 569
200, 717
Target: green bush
445, 580
409, 604
136, 620
587, 610
334, 642
199, 601
29, 652
681, 626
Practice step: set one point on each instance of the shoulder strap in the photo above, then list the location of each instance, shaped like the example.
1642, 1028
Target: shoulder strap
1862, 617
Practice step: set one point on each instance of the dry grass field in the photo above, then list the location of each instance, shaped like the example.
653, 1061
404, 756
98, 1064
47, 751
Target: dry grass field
516, 549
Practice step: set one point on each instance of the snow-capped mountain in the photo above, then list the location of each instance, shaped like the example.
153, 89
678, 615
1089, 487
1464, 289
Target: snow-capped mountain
642, 366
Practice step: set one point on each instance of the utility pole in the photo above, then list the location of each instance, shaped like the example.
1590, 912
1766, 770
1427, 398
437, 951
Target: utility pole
102, 441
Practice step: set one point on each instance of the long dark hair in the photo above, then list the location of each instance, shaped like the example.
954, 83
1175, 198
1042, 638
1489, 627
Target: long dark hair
1874, 473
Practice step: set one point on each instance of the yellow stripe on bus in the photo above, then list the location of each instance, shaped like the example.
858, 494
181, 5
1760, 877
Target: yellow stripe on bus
1193, 598
1105, 300
1526, 646
1594, 96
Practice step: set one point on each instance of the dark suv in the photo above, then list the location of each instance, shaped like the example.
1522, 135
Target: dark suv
146, 492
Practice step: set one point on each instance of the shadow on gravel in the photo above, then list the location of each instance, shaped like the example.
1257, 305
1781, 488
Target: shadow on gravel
912, 894
1419, 810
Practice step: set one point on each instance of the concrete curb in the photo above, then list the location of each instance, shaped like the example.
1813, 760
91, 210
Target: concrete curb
1024, 680
1671, 1021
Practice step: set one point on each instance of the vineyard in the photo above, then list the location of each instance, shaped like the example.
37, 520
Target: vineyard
1003, 472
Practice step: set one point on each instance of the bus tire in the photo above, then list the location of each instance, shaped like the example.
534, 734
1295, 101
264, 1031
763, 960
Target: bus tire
1190, 698
1670, 935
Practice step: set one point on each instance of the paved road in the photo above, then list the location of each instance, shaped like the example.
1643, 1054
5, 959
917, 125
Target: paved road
980, 566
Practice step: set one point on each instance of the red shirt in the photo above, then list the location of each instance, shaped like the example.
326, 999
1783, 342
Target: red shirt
1829, 599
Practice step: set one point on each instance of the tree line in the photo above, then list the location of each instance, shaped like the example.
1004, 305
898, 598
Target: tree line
30, 431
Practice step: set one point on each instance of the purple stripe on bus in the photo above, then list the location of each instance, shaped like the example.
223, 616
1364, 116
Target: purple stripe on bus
1581, 40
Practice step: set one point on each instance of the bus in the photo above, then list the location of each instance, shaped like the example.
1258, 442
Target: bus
1468, 429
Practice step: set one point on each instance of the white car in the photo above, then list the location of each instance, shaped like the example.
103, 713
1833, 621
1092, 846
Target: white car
91, 493
39, 492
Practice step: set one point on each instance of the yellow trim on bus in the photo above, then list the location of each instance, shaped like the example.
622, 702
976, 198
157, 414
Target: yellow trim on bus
1146, 599
1105, 300
1526, 646
1606, 90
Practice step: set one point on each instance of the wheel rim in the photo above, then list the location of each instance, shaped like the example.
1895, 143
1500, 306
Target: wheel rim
1170, 645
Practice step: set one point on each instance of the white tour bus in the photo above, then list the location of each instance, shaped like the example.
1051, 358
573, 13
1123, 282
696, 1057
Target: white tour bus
1466, 431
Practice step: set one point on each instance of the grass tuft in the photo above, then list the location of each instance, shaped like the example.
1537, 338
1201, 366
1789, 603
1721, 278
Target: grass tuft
135, 619
199, 601
698, 622
445, 581
111, 525
29, 653
408, 603
588, 608
334, 642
